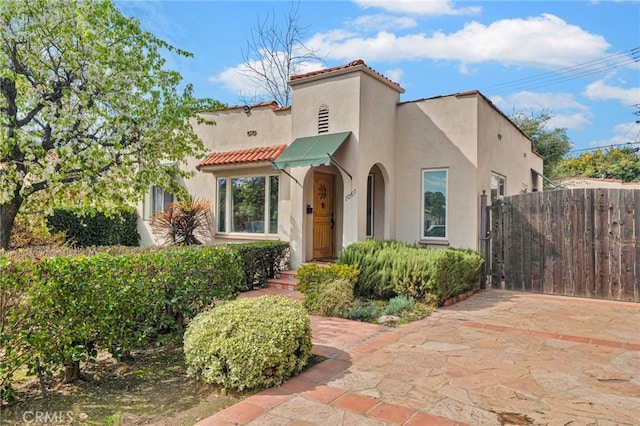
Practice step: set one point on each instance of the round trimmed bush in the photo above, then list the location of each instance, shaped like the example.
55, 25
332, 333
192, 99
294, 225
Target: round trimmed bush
249, 343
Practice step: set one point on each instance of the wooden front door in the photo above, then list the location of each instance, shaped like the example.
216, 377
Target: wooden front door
323, 216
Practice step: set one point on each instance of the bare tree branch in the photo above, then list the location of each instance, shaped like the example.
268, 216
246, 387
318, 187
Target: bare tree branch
275, 53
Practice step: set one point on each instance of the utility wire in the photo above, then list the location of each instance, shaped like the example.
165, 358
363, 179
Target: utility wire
605, 146
599, 65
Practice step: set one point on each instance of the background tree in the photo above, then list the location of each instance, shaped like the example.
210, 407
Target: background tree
88, 114
274, 53
614, 163
551, 143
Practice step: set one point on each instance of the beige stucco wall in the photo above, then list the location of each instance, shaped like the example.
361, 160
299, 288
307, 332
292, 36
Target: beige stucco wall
341, 94
504, 150
365, 106
433, 134
378, 114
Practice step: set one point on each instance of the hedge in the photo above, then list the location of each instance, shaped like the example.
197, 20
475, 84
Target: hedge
61, 310
391, 268
97, 229
260, 261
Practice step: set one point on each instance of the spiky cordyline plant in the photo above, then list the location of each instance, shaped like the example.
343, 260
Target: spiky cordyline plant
183, 223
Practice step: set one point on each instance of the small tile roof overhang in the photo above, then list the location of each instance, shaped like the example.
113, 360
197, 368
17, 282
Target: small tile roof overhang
357, 65
243, 156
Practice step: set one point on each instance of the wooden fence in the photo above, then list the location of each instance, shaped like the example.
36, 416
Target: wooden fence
574, 242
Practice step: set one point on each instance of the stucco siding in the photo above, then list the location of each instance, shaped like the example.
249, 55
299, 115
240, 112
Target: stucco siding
427, 139
506, 151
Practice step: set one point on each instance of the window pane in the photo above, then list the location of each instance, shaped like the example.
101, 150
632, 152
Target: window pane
435, 203
248, 204
222, 204
167, 199
157, 200
497, 186
273, 204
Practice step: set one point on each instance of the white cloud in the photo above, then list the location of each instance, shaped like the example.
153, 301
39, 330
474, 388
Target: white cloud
601, 90
394, 74
381, 22
566, 111
541, 101
544, 41
235, 79
419, 7
568, 121
622, 133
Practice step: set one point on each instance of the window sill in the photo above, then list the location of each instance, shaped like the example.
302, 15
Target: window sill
253, 237
433, 242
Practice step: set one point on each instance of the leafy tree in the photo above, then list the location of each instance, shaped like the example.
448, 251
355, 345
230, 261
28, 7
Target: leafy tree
275, 52
614, 163
551, 144
88, 114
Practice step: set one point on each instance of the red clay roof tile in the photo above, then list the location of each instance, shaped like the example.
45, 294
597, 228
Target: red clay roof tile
352, 64
251, 155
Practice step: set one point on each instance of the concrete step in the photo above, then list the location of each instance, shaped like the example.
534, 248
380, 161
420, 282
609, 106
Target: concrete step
286, 280
283, 284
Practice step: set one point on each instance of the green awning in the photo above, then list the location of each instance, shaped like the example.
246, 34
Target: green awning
311, 151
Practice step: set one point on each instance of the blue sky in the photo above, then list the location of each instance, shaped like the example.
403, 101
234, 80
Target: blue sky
574, 58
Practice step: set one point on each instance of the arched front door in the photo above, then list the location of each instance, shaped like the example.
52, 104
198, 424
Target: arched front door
323, 215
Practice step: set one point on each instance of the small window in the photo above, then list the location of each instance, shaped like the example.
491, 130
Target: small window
156, 201
323, 119
434, 203
498, 186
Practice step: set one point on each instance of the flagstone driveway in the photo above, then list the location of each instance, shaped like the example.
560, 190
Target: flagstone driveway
497, 358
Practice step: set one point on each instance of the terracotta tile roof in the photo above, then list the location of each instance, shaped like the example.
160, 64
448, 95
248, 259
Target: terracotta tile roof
358, 63
273, 105
251, 155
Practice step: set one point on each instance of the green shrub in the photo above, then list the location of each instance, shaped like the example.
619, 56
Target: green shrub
249, 343
330, 298
389, 268
61, 310
96, 229
374, 259
260, 261
365, 311
437, 272
14, 321
310, 275
400, 304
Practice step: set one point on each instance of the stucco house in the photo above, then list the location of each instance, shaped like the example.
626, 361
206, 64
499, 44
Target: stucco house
349, 160
587, 182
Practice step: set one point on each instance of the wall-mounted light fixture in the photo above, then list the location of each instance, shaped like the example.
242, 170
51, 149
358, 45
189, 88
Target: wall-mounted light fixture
247, 109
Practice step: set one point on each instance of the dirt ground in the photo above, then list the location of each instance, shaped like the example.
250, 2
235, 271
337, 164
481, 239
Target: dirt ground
151, 389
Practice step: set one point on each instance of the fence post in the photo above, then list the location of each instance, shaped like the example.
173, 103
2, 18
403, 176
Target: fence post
484, 239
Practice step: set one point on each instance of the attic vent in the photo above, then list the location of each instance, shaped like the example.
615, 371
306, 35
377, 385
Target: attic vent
323, 119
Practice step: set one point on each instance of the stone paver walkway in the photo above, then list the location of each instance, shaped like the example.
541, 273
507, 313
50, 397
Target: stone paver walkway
497, 358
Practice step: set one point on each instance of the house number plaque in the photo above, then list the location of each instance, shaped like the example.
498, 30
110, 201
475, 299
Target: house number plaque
350, 195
